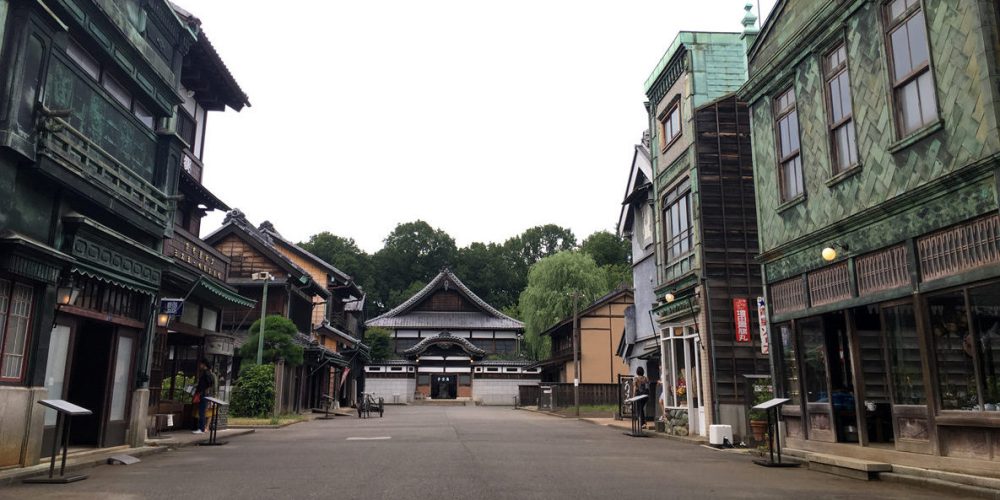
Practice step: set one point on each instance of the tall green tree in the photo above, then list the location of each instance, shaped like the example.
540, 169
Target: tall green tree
342, 253
548, 297
279, 333
486, 271
380, 341
607, 248
413, 251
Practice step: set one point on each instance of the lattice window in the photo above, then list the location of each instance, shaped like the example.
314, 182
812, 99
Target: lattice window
883, 270
788, 296
829, 284
960, 248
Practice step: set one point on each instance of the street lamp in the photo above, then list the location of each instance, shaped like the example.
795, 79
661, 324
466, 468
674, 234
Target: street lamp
576, 353
265, 277
830, 253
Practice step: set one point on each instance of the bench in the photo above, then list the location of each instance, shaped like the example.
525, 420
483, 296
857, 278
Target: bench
854, 468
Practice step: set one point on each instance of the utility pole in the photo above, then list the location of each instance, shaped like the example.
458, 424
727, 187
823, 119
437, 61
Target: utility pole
265, 277
576, 353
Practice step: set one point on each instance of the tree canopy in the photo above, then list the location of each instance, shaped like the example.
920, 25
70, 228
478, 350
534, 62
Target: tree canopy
548, 297
380, 341
279, 333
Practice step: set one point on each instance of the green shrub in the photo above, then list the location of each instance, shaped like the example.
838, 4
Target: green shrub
253, 395
177, 383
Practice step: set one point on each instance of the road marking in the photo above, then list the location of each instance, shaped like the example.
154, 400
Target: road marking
376, 438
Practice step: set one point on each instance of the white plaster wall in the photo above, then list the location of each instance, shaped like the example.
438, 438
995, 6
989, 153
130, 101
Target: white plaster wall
386, 387
498, 391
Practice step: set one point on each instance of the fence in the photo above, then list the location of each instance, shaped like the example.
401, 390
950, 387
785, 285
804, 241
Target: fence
562, 394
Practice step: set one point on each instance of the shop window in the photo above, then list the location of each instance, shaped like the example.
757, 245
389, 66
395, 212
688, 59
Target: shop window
15, 315
903, 345
790, 370
985, 302
868, 326
954, 346
814, 362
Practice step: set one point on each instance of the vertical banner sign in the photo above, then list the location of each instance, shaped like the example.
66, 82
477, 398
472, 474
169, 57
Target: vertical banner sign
762, 317
741, 313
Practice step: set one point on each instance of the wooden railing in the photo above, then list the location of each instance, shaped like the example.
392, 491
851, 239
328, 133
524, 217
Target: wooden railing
72, 150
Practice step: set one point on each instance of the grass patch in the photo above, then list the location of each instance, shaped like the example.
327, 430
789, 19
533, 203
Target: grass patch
278, 420
595, 411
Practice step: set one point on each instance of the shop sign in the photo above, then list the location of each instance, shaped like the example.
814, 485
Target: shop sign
195, 257
172, 307
741, 313
762, 317
219, 345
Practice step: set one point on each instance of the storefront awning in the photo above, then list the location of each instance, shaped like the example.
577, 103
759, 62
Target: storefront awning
227, 295
112, 278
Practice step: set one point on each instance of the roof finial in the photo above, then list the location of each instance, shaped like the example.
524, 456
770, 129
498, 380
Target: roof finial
749, 20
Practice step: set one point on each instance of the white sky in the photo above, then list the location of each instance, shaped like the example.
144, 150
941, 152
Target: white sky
482, 118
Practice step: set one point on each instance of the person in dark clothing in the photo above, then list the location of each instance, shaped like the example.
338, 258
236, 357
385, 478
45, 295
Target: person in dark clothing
641, 387
205, 388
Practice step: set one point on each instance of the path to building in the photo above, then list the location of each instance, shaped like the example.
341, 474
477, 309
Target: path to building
423, 452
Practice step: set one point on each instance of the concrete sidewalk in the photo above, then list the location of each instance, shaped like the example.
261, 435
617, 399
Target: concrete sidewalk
76, 461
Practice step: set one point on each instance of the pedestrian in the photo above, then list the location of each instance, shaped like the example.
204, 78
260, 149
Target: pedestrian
204, 389
641, 386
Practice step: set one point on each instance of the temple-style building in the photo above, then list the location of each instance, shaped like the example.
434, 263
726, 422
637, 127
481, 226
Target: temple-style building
450, 344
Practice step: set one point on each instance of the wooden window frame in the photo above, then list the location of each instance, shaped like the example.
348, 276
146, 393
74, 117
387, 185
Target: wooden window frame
891, 24
780, 114
663, 118
102, 74
13, 283
680, 192
829, 75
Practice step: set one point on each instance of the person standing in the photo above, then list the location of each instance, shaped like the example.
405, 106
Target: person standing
205, 388
641, 387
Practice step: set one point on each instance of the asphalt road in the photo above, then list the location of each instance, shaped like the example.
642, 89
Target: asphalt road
421, 452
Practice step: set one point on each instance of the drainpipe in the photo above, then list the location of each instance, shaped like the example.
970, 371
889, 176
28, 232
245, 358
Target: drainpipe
711, 350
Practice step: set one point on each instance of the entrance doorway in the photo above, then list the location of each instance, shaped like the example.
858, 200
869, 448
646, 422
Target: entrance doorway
444, 387
88, 381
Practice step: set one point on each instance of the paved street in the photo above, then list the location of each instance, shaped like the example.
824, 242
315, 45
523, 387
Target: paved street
421, 452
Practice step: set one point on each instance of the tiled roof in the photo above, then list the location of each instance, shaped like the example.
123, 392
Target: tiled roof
444, 337
487, 318
504, 362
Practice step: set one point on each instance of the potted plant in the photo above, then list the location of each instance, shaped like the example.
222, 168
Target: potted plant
758, 419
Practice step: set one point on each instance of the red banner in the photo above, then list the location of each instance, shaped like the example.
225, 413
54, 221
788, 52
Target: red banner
741, 313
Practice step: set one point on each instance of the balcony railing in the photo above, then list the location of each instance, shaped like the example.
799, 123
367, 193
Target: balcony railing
73, 151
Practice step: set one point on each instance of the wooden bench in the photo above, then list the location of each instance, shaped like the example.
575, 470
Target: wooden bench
854, 468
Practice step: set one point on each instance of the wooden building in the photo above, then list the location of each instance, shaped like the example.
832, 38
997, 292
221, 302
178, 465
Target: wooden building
336, 324
198, 272
707, 232
290, 294
602, 327
90, 155
450, 344
876, 164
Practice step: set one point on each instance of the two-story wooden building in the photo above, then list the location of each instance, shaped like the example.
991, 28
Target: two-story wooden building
876, 150
89, 158
602, 326
706, 231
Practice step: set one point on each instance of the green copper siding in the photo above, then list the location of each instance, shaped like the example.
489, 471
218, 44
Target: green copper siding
966, 134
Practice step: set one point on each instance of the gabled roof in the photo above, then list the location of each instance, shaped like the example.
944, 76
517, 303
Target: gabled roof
403, 316
614, 294
445, 338
639, 181
218, 86
267, 228
237, 223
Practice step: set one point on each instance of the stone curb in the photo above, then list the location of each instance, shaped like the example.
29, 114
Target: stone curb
95, 459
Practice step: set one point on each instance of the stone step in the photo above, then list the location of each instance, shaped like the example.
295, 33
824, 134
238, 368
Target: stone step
848, 467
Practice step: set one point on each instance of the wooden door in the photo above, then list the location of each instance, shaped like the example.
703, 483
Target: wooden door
120, 386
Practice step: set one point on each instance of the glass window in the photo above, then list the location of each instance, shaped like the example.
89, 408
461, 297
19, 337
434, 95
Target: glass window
55, 368
789, 159
868, 326
953, 351
670, 125
985, 304
143, 115
209, 319
31, 83
903, 345
838, 89
15, 314
84, 60
117, 91
790, 370
814, 361
677, 221
119, 389
912, 82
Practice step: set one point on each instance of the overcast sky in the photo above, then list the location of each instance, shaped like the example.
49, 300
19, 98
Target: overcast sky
482, 118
